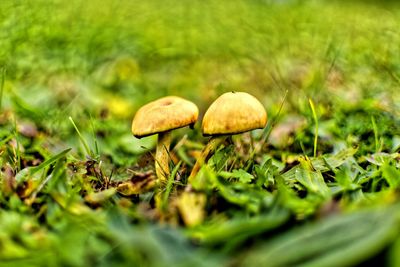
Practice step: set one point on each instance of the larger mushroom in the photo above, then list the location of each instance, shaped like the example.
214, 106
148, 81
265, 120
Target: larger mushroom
231, 113
161, 117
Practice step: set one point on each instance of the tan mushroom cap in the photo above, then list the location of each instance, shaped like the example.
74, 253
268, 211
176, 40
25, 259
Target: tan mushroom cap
232, 113
164, 114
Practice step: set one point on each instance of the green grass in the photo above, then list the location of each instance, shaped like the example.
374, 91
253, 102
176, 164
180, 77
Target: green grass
319, 186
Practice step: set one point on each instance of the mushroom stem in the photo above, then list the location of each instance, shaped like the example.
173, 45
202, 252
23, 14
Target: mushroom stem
162, 156
212, 145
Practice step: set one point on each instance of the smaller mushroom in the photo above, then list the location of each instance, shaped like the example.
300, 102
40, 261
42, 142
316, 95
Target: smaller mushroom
161, 117
231, 113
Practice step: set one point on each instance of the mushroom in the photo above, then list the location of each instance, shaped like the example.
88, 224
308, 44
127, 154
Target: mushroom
229, 114
161, 117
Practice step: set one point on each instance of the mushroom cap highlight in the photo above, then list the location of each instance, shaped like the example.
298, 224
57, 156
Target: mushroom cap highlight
233, 113
164, 114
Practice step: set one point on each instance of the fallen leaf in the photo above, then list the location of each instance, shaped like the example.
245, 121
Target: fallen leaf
191, 207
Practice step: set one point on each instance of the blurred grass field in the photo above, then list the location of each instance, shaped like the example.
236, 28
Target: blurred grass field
76, 186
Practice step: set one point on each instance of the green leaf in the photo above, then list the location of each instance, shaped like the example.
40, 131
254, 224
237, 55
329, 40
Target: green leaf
391, 175
324, 163
27, 173
238, 229
313, 181
344, 240
242, 176
265, 173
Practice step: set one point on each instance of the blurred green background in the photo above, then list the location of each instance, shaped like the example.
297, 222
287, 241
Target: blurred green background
135, 51
81, 58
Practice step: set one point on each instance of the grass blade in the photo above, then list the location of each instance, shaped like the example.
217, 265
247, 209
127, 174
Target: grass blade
83, 141
169, 185
316, 125
50, 161
3, 79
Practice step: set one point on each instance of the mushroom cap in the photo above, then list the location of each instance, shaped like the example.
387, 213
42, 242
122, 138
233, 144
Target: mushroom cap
232, 113
164, 114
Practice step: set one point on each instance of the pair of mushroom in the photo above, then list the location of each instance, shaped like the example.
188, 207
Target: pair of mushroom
231, 113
